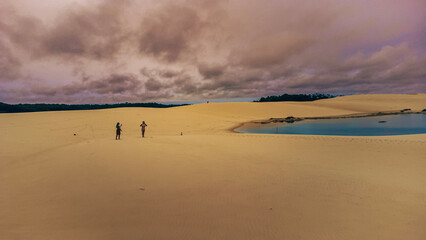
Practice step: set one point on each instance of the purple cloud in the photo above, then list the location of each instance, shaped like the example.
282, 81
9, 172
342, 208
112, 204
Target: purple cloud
209, 49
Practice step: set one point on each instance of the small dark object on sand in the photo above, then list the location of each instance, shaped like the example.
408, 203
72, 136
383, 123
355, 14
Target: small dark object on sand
287, 120
143, 189
291, 119
382, 121
181, 133
75, 134
270, 209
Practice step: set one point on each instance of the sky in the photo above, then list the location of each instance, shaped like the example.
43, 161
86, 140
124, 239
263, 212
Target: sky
107, 51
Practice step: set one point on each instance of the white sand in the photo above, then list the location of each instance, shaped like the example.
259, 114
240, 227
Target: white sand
209, 183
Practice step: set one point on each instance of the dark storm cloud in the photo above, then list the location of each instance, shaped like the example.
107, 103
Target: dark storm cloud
23, 31
44, 91
388, 69
83, 32
200, 48
153, 85
172, 81
169, 74
270, 50
186, 85
9, 64
95, 33
114, 84
211, 71
160, 73
167, 32
178, 31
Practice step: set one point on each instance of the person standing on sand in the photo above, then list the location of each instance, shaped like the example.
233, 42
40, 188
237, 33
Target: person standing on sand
118, 131
143, 125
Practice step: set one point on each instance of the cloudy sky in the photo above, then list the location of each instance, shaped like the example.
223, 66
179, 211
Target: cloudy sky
103, 51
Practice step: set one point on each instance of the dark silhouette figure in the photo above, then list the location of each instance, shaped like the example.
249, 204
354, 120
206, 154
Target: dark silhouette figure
118, 131
143, 125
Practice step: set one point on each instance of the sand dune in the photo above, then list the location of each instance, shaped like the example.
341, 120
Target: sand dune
209, 183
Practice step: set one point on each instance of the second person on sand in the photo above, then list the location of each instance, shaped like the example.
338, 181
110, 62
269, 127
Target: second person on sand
143, 125
118, 131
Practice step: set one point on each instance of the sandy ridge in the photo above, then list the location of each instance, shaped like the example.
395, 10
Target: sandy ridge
209, 183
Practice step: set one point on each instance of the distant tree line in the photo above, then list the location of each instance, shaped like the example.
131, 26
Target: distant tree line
295, 97
41, 107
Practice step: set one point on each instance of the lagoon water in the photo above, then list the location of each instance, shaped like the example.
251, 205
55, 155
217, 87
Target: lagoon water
366, 126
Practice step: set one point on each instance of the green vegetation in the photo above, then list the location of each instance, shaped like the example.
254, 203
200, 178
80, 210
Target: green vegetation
295, 97
41, 107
